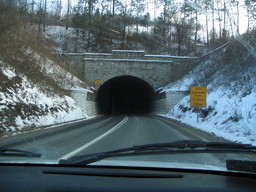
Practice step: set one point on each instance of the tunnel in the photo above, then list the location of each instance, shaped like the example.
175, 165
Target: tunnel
125, 95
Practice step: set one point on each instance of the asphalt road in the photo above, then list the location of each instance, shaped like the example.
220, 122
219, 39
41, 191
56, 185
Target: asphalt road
107, 133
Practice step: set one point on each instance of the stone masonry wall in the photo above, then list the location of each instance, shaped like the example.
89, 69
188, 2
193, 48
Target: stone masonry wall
84, 101
164, 105
156, 70
148, 71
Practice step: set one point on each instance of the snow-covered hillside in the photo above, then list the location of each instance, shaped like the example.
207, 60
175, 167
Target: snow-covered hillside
67, 40
231, 95
24, 104
71, 39
55, 72
33, 87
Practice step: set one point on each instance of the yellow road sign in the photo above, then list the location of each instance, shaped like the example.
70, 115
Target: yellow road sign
198, 97
97, 82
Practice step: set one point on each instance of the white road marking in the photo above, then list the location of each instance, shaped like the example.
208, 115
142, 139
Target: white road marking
95, 140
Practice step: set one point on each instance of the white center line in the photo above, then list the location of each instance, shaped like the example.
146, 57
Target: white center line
95, 140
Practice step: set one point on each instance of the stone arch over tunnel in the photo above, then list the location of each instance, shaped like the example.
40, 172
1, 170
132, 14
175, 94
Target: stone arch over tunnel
125, 95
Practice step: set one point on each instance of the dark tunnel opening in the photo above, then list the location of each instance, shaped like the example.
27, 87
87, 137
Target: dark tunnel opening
125, 95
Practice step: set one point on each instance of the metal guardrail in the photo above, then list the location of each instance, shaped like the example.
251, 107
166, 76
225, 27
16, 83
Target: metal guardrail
214, 51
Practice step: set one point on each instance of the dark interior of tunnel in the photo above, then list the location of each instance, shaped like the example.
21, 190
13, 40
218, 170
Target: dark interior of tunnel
125, 95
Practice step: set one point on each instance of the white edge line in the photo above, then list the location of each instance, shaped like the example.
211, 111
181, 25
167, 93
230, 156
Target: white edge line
95, 140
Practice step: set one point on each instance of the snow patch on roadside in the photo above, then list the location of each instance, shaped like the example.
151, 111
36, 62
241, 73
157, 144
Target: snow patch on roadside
9, 73
232, 118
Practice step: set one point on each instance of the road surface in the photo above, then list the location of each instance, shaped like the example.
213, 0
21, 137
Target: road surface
102, 134
106, 133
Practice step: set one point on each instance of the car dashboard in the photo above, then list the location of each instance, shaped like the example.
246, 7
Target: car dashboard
65, 178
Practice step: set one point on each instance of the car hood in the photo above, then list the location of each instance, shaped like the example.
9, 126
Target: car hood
157, 164
122, 163
28, 161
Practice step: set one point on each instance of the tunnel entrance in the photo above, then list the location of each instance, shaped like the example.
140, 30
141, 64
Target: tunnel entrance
125, 95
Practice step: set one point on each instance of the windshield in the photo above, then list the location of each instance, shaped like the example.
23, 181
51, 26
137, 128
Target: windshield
82, 78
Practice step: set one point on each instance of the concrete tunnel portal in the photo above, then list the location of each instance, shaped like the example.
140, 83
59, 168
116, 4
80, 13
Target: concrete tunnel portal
125, 95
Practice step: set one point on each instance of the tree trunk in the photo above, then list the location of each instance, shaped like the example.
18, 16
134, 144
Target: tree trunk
248, 23
213, 22
224, 21
195, 45
207, 28
45, 11
237, 7
219, 19
113, 8
67, 17
32, 11
40, 15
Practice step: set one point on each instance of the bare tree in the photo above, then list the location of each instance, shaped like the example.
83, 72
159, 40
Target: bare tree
68, 12
224, 19
39, 15
45, 13
113, 8
206, 11
219, 18
238, 15
196, 26
213, 21
32, 11
182, 28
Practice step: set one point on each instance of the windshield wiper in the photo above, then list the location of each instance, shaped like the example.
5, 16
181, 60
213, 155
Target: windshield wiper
183, 146
17, 153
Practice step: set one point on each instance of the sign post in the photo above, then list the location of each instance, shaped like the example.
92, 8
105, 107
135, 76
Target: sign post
198, 98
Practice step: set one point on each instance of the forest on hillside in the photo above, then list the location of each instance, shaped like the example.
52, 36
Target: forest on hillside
184, 27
